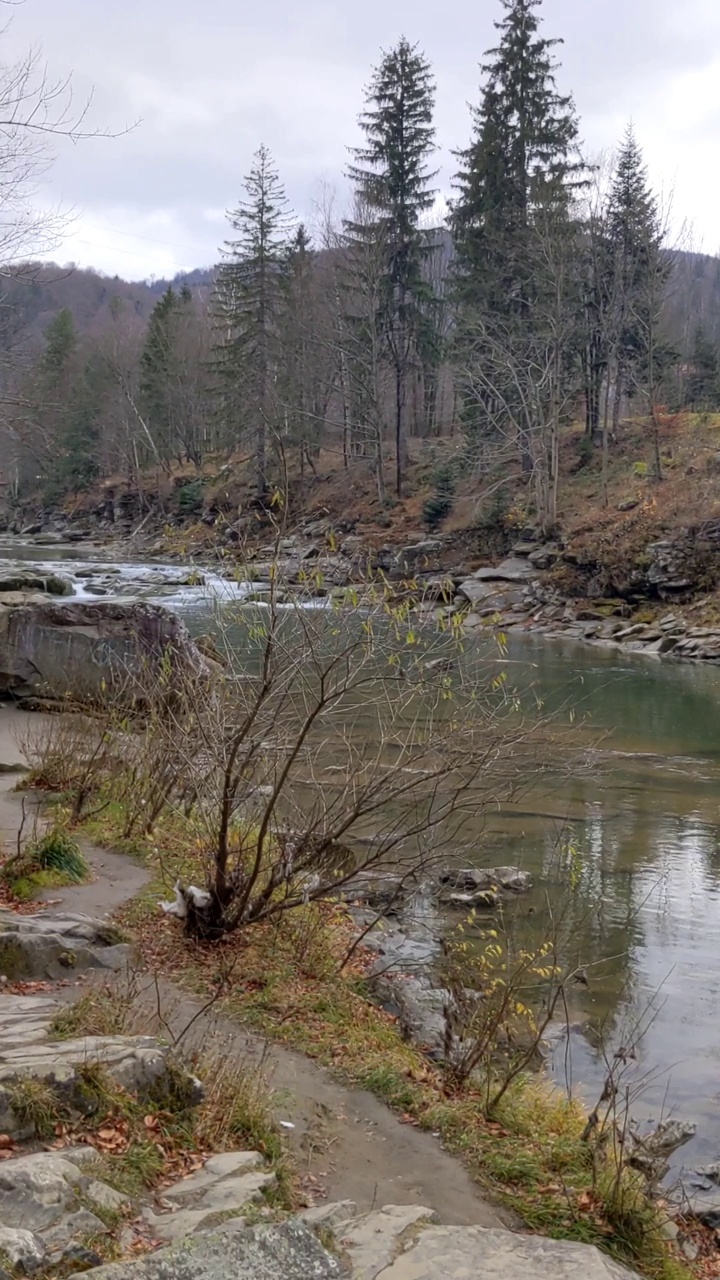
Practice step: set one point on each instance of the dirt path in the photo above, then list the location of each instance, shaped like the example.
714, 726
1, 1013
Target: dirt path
346, 1139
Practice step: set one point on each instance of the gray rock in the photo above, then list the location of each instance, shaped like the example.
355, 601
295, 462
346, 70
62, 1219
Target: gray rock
476, 1253
490, 596
41, 1193
513, 569
419, 1007
420, 555
77, 1255
80, 650
46, 953
331, 1215
22, 1249
139, 1064
481, 879
34, 580
374, 1241
286, 1251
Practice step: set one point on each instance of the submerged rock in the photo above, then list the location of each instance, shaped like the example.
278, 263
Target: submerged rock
480, 880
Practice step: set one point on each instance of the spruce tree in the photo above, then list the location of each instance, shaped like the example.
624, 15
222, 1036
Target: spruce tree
248, 302
392, 181
636, 273
522, 161
514, 237
158, 369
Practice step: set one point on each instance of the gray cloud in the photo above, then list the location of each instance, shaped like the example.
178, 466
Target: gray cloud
211, 82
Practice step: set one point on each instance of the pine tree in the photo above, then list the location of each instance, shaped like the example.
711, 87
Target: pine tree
392, 182
523, 160
248, 302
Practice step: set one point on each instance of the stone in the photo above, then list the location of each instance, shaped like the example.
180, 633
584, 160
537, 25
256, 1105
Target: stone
419, 1007
46, 946
139, 1064
50, 584
331, 1215
278, 1251
398, 951
481, 879
477, 1253
513, 569
76, 1255
628, 504
419, 555
373, 1241
22, 1249
227, 1184
82, 650
42, 1193
545, 557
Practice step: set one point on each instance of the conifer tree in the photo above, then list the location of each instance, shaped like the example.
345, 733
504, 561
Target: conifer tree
514, 235
522, 160
636, 273
392, 182
248, 302
703, 387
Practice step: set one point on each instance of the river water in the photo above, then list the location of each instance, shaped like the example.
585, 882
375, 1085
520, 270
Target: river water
645, 822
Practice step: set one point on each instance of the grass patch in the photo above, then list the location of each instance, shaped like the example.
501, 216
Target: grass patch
105, 1012
58, 853
52, 862
36, 1105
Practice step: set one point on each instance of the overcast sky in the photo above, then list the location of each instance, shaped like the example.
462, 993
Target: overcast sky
210, 81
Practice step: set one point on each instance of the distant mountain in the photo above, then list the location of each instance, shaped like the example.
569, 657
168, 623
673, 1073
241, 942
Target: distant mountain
200, 279
31, 297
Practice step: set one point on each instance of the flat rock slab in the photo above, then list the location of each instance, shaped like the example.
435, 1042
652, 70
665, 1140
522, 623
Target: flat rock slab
52, 946
476, 1253
374, 1241
288, 1251
226, 1184
139, 1064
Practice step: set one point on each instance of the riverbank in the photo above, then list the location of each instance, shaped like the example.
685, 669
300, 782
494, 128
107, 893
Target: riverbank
288, 985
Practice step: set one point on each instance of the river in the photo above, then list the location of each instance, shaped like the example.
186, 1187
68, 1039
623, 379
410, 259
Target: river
645, 821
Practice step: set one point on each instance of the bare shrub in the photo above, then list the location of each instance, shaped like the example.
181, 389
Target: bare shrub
335, 742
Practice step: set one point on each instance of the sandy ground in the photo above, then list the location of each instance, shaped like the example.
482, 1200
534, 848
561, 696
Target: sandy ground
344, 1139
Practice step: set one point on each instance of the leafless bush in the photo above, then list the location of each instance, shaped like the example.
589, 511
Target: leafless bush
335, 741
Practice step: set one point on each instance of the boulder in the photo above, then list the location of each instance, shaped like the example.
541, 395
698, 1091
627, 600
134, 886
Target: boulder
46, 946
445, 1252
278, 1251
419, 1007
418, 556
490, 595
77, 652
35, 580
47, 1202
28, 1052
